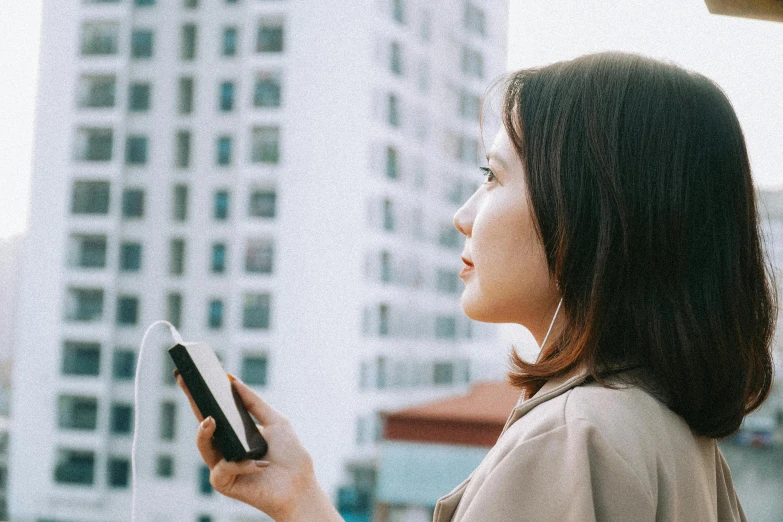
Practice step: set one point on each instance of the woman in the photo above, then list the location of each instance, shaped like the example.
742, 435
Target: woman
618, 223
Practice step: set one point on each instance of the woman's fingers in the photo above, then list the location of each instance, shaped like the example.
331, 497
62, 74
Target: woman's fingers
258, 407
209, 453
224, 473
193, 406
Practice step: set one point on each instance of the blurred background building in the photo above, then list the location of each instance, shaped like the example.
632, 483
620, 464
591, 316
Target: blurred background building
276, 178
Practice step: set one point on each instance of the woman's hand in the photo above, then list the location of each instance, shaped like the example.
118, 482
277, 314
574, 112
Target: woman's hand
283, 485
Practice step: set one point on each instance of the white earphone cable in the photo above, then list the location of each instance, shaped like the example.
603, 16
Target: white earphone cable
553, 322
134, 472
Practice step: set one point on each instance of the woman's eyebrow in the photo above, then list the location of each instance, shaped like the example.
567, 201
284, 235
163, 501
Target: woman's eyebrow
498, 160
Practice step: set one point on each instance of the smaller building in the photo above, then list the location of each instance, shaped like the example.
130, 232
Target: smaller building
427, 450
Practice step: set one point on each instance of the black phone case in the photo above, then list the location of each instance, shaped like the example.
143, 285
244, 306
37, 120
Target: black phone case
226, 440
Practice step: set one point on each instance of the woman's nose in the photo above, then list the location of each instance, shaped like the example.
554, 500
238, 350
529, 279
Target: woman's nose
464, 217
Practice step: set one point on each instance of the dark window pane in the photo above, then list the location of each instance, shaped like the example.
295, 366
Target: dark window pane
230, 41
141, 43
392, 163
139, 97
218, 258
75, 467
204, 487
267, 91
81, 358
164, 466
136, 150
97, 91
254, 370
262, 203
87, 251
180, 210
168, 421
188, 42
224, 150
99, 38
215, 314
182, 158
127, 310
77, 413
255, 313
121, 419
133, 203
119, 473
174, 309
259, 256
226, 96
94, 144
130, 257
221, 205
265, 147
84, 304
185, 95
124, 365
90, 197
443, 373
177, 256
270, 38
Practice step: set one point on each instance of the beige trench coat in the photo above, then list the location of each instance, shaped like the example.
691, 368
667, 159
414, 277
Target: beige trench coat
582, 452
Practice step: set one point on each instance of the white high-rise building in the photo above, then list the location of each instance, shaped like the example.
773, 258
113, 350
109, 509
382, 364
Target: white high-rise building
276, 178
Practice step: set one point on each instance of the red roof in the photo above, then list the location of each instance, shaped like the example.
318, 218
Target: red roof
475, 419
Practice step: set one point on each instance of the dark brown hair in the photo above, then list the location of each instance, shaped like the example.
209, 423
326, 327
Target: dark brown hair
640, 188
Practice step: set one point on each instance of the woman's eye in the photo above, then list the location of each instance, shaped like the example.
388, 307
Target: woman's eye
488, 174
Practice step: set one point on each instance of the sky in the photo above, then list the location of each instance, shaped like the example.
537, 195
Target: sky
745, 57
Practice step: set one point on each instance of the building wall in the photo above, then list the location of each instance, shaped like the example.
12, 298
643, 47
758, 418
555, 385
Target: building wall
351, 332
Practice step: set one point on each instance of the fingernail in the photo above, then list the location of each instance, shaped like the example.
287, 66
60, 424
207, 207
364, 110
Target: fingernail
261, 463
205, 423
176, 373
231, 377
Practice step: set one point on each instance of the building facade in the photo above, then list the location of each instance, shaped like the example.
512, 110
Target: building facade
276, 178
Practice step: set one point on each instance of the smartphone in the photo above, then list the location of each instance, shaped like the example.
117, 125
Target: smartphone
236, 435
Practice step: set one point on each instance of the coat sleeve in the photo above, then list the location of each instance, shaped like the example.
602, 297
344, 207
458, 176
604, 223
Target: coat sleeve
568, 474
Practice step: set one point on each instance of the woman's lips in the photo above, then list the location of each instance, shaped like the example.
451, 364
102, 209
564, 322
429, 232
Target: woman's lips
468, 268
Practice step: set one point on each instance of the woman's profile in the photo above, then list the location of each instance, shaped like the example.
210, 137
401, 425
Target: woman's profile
617, 222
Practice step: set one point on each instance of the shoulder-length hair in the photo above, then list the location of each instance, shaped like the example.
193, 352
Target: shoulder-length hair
640, 188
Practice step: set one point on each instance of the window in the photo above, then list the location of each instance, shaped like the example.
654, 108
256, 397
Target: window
130, 257
167, 429
472, 62
221, 205
164, 466
267, 91
180, 203
383, 320
398, 11
218, 258
266, 145
259, 256
447, 281
121, 419
473, 19
395, 58
262, 203
215, 319
380, 373
445, 327
143, 3
87, 251
100, 38
124, 364
177, 256
136, 150
393, 110
449, 236
141, 43
388, 215
139, 97
185, 95
190, 4
132, 203
75, 467
469, 106
255, 312
254, 370
230, 40
84, 304
270, 37
386, 267
443, 373
392, 163
182, 158
127, 310
174, 309
77, 413
226, 96
224, 150
97, 91
188, 35
81, 358
207, 518
94, 144
118, 472
204, 487
90, 197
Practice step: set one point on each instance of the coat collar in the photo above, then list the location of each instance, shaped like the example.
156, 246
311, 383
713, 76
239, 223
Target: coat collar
551, 389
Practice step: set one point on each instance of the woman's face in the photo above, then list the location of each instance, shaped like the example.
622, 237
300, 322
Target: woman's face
505, 274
